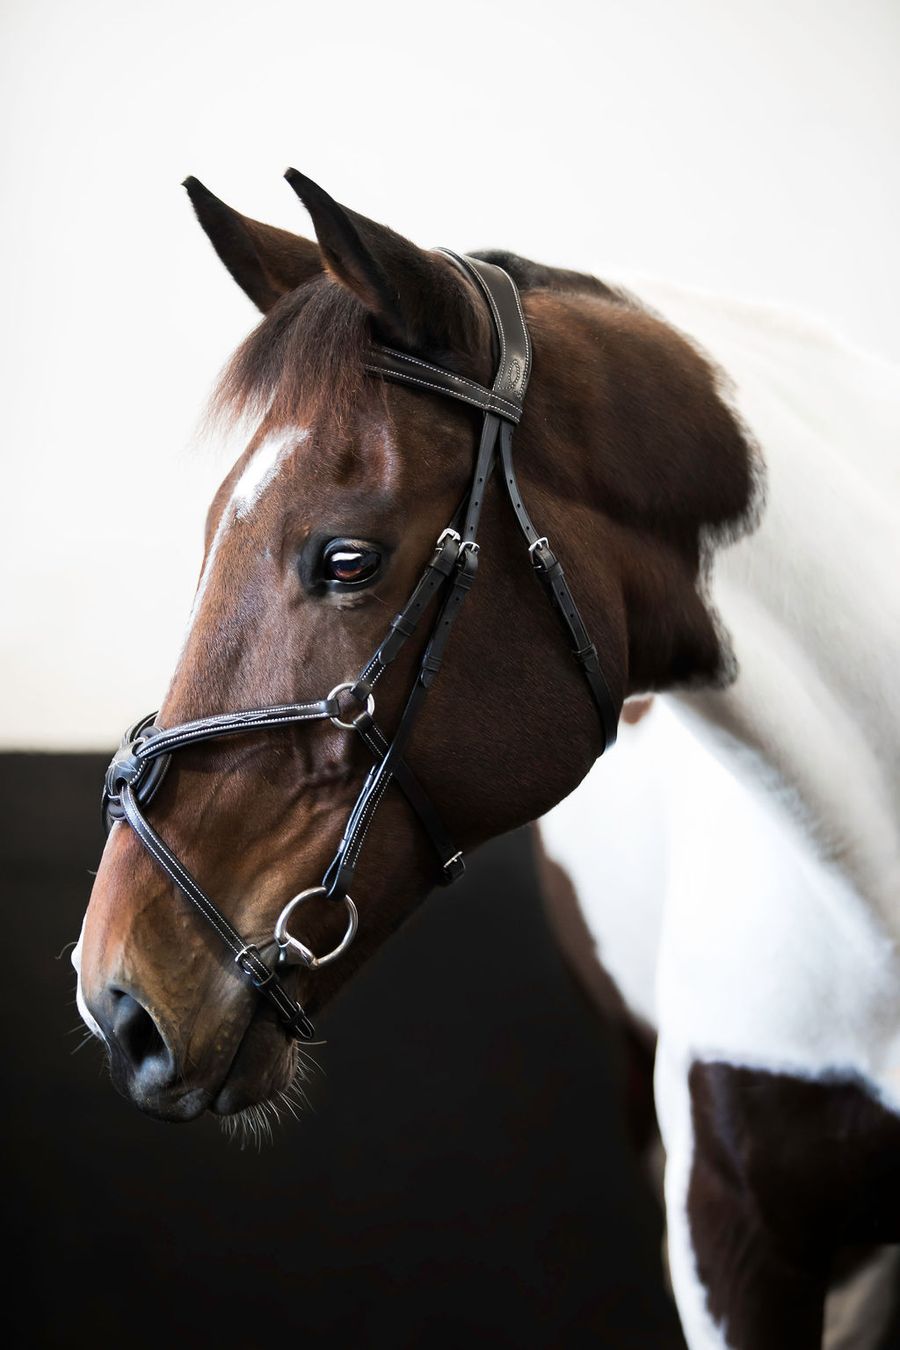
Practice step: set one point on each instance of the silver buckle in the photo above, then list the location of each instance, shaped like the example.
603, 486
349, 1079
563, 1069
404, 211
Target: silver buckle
537, 544
447, 534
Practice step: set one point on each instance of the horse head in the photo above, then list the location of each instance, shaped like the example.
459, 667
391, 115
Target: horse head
316, 538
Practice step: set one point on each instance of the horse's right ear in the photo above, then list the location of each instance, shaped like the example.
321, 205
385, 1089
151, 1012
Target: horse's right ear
265, 262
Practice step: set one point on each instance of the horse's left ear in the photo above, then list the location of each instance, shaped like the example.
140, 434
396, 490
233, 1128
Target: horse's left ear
417, 299
265, 262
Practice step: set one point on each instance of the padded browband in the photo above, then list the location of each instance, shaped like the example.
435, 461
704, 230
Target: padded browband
508, 393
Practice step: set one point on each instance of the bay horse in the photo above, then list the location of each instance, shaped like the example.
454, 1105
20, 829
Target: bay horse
727, 529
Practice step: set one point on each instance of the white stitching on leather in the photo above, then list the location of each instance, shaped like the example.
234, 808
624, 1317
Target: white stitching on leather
426, 384
437, 370
190, 732
515, 290
370, 809
483, 404
192, 891
471, 385
486, 291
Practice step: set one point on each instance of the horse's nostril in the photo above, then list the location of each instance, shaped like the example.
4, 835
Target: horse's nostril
137, 1035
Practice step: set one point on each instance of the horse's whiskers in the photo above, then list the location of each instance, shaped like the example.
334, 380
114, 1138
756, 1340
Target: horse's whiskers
254, 1125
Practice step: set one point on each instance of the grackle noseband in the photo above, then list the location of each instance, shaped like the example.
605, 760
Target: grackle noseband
140, 763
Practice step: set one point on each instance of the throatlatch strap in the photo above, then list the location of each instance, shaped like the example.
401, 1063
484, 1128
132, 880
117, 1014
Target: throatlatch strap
549, 572
449, 856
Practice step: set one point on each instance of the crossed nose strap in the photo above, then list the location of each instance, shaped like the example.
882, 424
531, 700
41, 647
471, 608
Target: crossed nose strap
247, 955
132, 781
140, 765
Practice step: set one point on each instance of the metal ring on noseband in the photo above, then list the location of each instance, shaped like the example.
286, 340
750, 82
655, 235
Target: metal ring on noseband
292, 951
370, 705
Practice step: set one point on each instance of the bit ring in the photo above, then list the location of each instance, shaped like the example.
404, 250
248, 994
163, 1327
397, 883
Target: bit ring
293, 952
369, 709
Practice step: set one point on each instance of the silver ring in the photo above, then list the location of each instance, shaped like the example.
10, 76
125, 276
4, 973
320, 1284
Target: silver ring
295, 952
370, 704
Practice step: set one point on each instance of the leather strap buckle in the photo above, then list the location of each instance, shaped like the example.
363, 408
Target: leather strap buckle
544, 560
249, 960
453, 868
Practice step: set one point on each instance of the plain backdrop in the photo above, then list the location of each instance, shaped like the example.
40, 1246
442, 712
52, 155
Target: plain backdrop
748, 148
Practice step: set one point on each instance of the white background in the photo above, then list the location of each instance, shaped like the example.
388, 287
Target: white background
748, 148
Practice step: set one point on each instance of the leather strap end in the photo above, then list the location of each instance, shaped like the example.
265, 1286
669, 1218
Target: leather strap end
300, 1025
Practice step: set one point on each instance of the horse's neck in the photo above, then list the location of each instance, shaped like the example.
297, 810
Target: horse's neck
808, 598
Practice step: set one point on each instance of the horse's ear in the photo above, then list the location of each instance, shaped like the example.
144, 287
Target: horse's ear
417, 299
265, 262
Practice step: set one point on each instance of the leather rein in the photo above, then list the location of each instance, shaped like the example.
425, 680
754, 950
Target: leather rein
140, 764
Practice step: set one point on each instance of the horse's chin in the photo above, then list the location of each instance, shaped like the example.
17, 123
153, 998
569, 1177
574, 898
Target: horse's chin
262, 1068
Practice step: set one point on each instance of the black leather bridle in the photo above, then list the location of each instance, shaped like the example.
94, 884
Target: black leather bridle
139, 765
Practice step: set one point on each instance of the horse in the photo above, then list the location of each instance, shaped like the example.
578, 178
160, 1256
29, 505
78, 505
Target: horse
717, 483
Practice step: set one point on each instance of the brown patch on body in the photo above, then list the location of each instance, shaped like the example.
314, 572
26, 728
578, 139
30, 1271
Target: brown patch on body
635, 709
786, 1171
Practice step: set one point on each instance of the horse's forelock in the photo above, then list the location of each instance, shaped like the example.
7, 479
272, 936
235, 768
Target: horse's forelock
305, 359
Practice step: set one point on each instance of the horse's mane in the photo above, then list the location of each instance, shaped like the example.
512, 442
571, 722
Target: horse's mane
532, 276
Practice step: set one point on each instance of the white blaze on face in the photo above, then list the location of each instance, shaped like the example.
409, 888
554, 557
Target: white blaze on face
258, 474
263, 468
80, 1003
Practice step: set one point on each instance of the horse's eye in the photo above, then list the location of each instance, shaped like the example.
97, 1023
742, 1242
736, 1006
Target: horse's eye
350, 562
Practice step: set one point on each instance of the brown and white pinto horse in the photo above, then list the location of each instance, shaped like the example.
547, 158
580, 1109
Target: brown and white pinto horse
633, 460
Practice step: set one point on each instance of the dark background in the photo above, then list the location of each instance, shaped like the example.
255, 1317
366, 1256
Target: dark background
461, 1175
